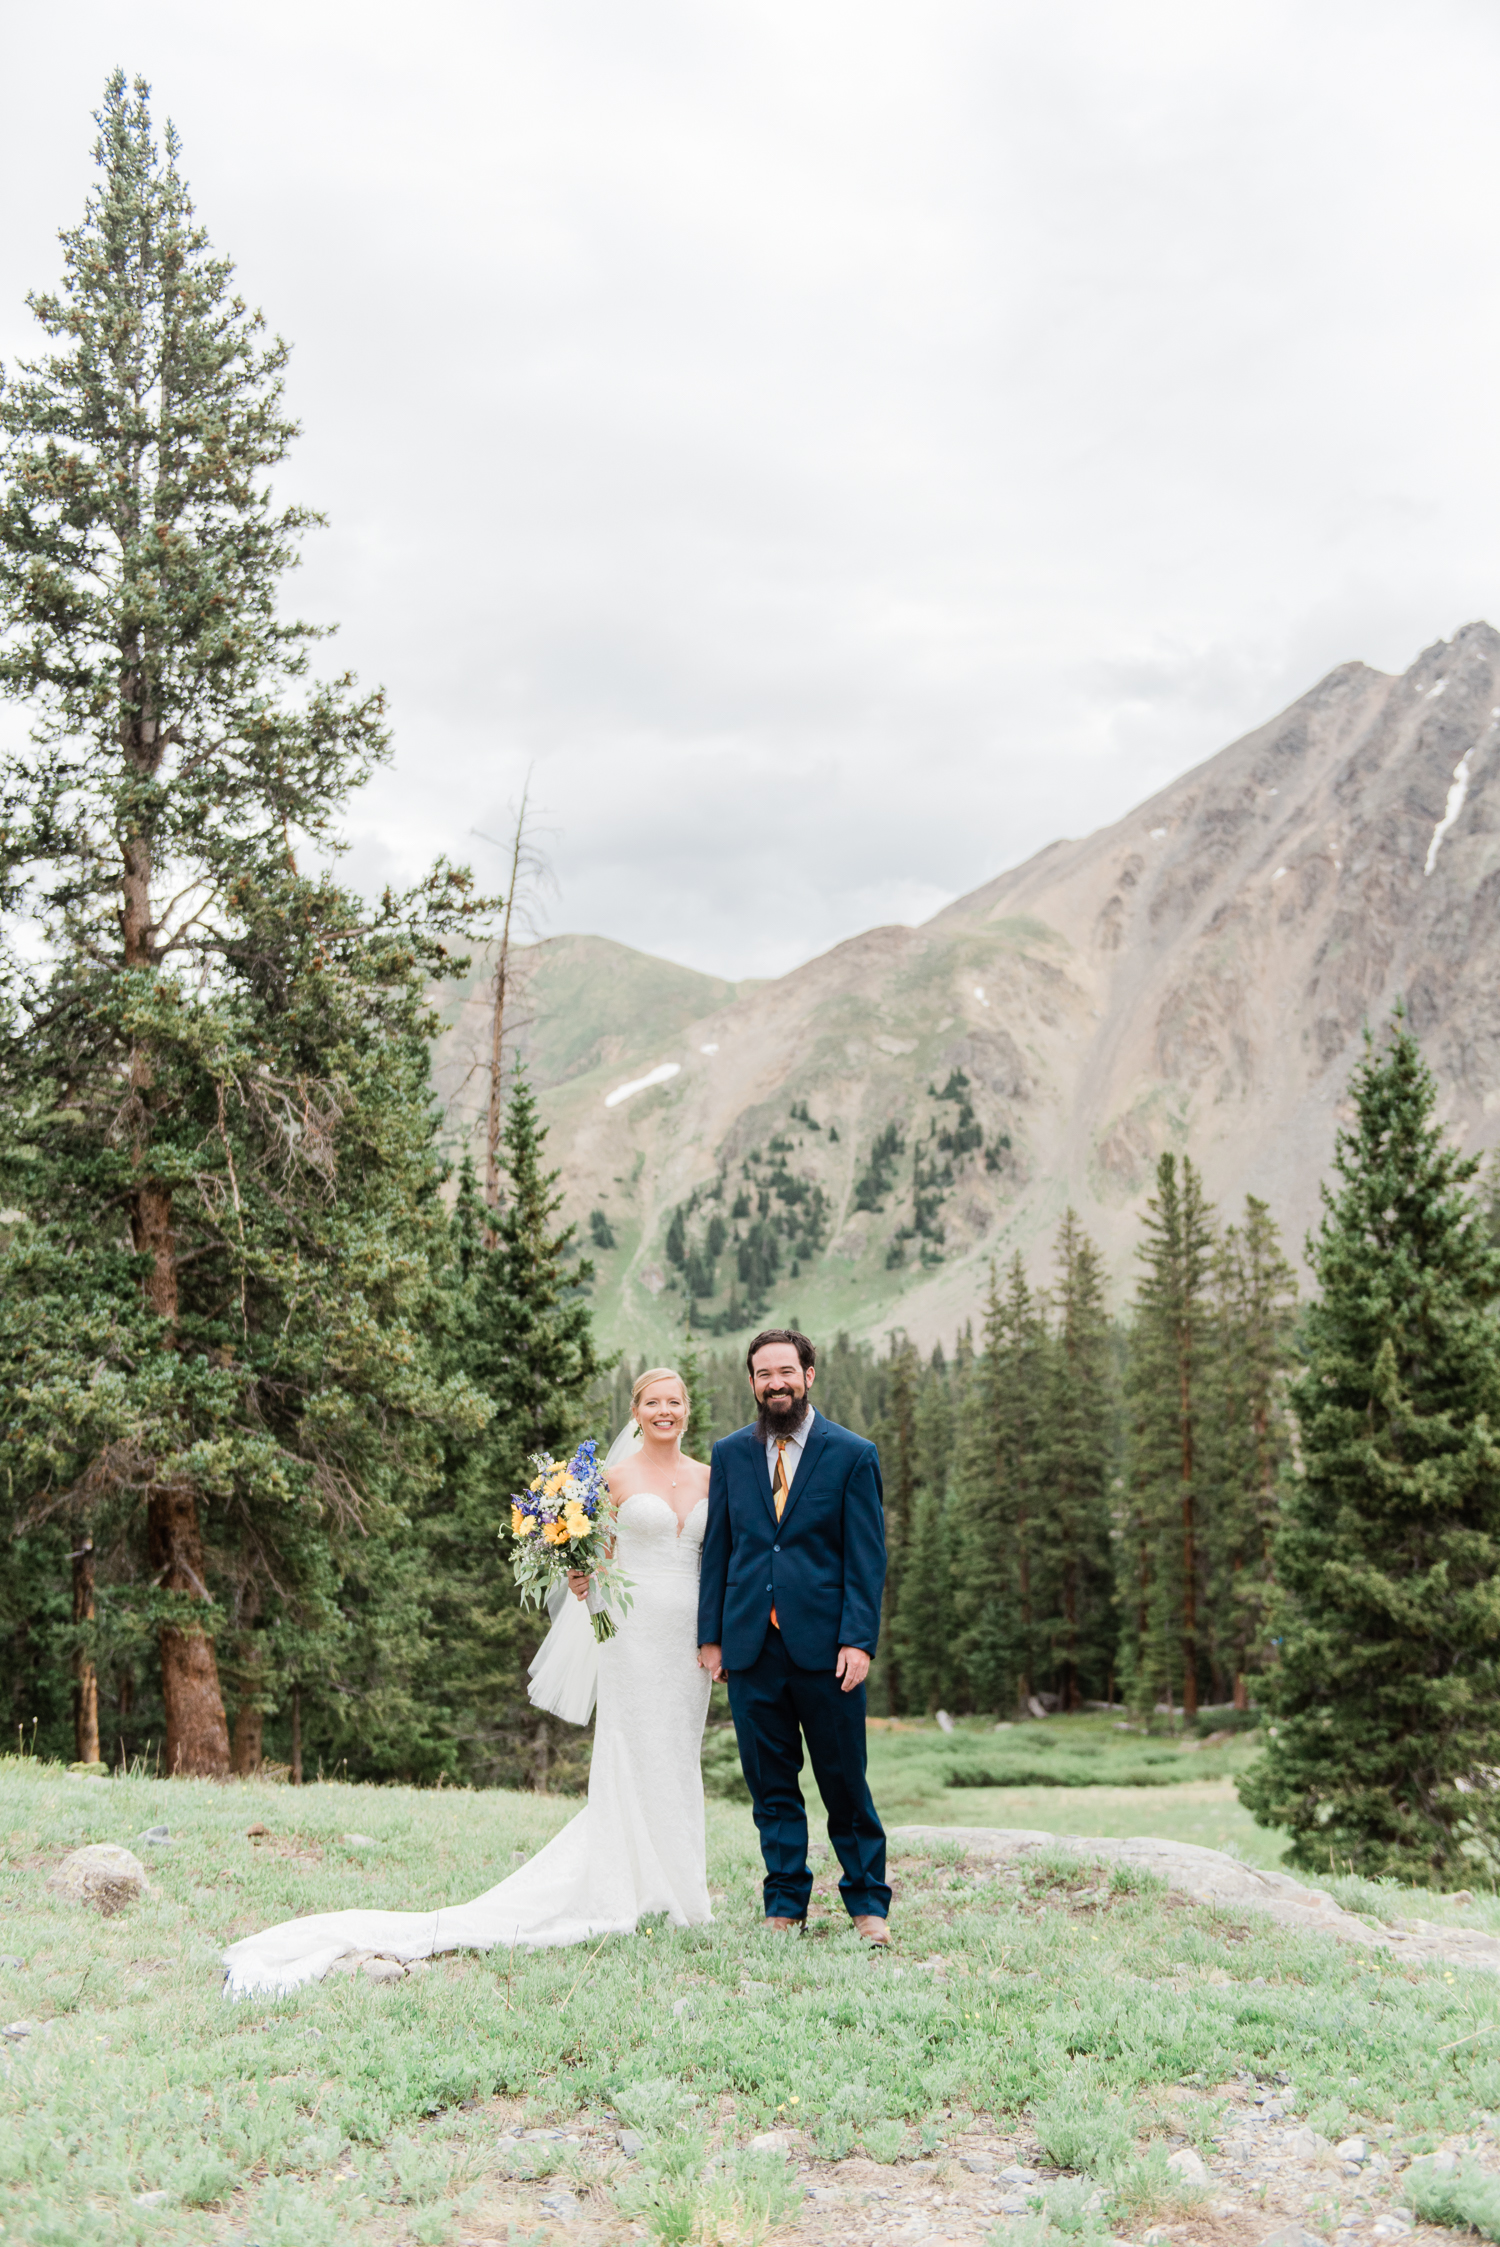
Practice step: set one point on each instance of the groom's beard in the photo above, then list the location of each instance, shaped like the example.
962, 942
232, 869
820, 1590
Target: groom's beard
781, 1416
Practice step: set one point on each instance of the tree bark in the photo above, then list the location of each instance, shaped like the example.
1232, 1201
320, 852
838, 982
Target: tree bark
125, 1709
197, 1733
85, 1675
496, 1117
249, 1734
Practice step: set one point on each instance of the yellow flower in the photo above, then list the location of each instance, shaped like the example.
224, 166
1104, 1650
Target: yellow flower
555, 1481
577, 1520
521, 1525
556, 1532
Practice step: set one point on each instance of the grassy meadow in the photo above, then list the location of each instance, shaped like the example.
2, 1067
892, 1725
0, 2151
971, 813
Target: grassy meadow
142, 2106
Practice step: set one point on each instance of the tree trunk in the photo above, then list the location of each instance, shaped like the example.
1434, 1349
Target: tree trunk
85, 1676
496, 1116
124, 1708
1241, 1691
197, 1732
249, 1729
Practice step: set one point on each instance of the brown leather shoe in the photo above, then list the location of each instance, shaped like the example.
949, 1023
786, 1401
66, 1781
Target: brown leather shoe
872, 1929
784, 1926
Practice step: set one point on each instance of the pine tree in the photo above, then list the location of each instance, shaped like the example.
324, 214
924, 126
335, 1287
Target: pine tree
213, 1090
1075, 1448
897, 1443
1170, 1384
521, 1333
923, 1627
1387, 1695
996, 1539
1256, 1292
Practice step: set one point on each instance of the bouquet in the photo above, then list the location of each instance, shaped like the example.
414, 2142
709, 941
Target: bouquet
565, 1520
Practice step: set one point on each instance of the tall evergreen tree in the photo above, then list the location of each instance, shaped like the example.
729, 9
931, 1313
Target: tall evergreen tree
897, 1441
521, 1334
1075, 1450
1387, 1695
924, 1621
213, 1085
1170, 1385
996, 1590
1256, 1294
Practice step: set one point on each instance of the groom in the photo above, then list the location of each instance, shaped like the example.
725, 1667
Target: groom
789, 1611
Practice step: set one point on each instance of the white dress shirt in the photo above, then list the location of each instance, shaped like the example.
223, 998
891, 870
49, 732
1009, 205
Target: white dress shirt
794, 1443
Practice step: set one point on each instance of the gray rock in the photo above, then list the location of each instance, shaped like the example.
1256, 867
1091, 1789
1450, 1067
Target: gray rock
1292, 2235
1013, 2203
1186, 2164
772, 2141
1017, 2174
362, 1840
562, 2204
1210, 1877
384, 1970
1352, 2149
684, 2008
944, 1721
104, 1875
12, 1965
631, 2143
16, 2032
151, 2199
981, 2164
156, 1837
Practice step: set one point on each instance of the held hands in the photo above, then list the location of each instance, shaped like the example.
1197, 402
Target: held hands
711, 1658
853, 1667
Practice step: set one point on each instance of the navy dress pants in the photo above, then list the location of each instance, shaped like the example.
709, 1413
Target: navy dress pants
775, 1706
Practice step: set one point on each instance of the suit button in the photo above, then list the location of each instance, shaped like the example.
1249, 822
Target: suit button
775, 1548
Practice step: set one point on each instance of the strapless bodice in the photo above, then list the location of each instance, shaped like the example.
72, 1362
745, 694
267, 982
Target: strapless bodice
647, 1543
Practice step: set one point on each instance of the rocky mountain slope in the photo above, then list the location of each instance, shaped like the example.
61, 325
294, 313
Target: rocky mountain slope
852, 1143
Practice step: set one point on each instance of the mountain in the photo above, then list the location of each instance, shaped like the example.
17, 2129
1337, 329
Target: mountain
861, 1137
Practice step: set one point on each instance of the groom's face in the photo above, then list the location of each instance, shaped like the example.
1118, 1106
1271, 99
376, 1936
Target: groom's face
780, 1384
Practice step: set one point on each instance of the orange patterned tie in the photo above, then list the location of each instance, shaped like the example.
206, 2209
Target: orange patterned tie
779, 1492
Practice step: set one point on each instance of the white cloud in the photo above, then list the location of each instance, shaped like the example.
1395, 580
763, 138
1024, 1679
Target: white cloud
840, 447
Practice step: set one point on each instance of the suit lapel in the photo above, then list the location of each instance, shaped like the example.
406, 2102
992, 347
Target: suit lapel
809, 1459
761, 1471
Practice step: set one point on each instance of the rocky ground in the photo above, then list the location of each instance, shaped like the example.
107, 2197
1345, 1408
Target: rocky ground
1261, 2180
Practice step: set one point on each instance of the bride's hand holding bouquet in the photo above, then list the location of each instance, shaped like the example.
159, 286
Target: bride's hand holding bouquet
563, 1527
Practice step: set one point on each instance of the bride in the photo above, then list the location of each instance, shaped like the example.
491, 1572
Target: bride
638, 1846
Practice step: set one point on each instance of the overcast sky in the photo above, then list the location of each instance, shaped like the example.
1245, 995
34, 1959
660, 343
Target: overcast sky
840, 446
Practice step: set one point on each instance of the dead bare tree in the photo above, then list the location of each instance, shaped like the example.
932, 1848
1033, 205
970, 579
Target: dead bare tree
528, 874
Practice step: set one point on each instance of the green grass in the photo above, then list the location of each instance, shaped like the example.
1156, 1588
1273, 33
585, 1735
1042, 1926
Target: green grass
1070, 1775
345, 2112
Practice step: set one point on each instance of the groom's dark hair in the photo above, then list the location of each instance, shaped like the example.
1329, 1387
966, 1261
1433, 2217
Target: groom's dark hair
807, 1356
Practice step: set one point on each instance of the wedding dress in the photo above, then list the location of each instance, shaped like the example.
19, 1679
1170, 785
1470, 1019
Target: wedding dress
637, 1847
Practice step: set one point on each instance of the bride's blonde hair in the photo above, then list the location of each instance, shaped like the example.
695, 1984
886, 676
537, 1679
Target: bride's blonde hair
659, 1373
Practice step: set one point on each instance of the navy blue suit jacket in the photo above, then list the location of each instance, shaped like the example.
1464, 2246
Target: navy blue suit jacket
822, 1566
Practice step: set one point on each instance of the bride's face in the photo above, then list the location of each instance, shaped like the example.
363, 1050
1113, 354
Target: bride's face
662, 1411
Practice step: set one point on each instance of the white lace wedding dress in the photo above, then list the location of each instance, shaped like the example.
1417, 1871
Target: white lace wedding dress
638, 1846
